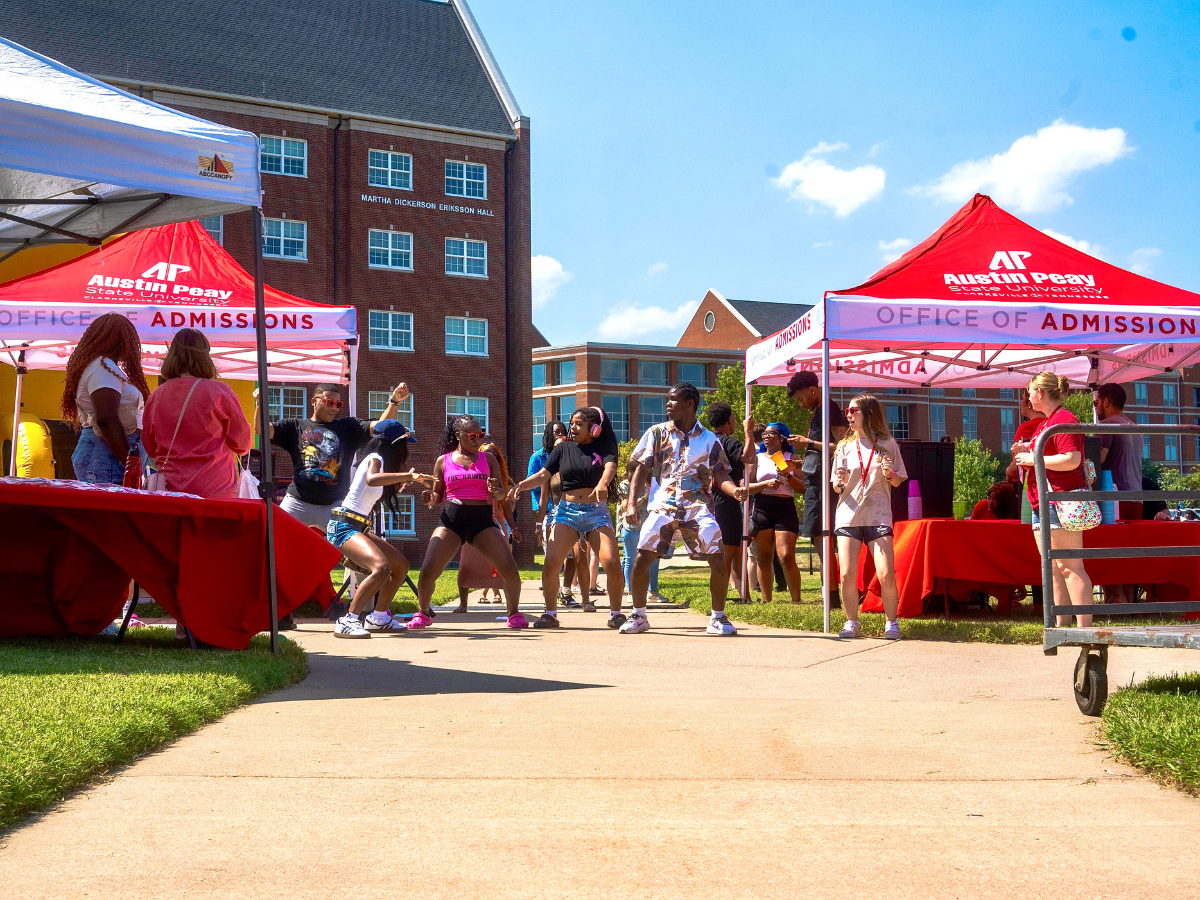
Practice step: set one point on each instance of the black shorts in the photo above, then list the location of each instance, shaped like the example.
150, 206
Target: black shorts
864, 533
774, 513
468, 522
729, 517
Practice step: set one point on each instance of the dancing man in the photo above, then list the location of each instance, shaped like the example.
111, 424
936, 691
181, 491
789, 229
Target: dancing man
690, 462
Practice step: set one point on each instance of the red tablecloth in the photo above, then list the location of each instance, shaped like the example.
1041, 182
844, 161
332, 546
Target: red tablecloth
68, 553
992, 553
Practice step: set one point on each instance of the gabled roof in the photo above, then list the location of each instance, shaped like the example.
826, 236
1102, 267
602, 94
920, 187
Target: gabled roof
413, 61
767, 318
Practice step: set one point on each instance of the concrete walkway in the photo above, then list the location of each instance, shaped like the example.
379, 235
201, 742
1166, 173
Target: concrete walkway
471, 761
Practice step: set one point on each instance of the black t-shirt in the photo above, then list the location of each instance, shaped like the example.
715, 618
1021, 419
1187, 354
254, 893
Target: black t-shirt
836, 418
580, 465
737, 469
322, 456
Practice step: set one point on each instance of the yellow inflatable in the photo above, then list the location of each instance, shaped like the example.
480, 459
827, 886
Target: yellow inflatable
35, 455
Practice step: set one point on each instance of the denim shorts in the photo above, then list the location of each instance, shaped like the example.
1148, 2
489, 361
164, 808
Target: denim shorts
1054, 523
583, 517
94, 462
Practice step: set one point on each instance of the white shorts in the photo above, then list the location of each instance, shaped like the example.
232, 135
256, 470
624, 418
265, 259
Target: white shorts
308, 513
697, 528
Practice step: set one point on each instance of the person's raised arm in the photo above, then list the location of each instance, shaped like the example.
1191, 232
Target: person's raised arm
106, 421
399, 395
254, 419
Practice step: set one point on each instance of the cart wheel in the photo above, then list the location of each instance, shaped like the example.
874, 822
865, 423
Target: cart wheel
1091, 683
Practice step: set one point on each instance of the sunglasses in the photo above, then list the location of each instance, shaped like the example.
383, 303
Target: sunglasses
336, 404
851, 410
473, 435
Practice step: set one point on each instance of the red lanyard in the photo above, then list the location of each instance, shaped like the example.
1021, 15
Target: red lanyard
870, 459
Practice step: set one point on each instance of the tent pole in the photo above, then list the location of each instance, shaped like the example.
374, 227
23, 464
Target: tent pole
267, 486
823, 489
12, 468
745, 579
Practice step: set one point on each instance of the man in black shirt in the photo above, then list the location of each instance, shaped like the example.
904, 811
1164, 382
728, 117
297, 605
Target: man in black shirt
727, 510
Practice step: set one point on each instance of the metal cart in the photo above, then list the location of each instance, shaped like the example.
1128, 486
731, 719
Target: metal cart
1091, 676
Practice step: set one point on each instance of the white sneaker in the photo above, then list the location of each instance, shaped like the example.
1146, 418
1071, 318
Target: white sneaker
636, 624
348, 626
720, 624
383, 621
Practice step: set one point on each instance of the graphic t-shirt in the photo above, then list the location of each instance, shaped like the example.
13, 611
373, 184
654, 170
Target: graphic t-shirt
322, 456
580, 465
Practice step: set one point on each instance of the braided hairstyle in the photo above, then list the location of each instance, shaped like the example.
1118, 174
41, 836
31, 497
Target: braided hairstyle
449, 439
112, 336
395, 456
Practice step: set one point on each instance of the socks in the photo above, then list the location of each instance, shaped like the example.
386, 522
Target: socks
613, 612
639, 611
552, 612
891, 623
715, 613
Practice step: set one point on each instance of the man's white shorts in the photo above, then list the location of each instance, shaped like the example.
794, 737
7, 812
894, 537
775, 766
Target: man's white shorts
696, 527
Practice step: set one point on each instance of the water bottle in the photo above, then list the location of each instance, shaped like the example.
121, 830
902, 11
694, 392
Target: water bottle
1108, 508
1026, 507
133, 469
916, 509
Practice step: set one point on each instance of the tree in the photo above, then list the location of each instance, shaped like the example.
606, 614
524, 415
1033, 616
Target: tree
1080, 403
974, 470
1174, 480
769, 404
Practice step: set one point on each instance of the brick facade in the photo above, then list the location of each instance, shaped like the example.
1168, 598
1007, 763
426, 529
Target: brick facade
728, 333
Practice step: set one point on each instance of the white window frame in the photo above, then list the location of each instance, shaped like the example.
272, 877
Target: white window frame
391, 329
391, 170
466, 336
217, 233
295, 408
533, 380
544, 419
1143, 419
901, 414
377, 402
574, 372
1171, 442
283, 156
620, 425
457, 406
1170, 388
390, 250
1008, 429
460, 175
283, 236
408, 508
466, 245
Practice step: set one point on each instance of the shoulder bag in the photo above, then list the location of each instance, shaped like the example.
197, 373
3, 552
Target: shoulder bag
158, 480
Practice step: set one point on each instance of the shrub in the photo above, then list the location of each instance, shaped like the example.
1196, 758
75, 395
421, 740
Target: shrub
974, 470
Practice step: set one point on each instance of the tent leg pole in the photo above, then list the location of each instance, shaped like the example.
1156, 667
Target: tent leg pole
267, 485
12, 466
826, 542
745, 579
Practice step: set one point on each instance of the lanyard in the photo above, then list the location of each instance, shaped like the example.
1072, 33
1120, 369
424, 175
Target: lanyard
870, 459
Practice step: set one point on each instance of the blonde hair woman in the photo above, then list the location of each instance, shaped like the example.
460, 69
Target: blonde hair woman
1064, 471
866, 466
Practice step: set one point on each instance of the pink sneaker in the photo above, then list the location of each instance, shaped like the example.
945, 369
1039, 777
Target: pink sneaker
516, 620
420, 620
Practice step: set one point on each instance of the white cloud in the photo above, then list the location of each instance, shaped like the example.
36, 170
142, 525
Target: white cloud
548, 277
1142, 260
625, 321
893, 250
821, 245
814, 180
657, 269
1085, 246
1033, 174
877, 148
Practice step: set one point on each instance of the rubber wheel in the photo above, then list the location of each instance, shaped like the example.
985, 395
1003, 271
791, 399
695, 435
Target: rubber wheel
1094, 695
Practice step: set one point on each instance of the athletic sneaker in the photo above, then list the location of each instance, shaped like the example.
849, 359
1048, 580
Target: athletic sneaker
516, 620
850, 630
636, 625
568, 600
616, 621
893, 632
348, 626
382, 621
721, 625
420, 620
546, 621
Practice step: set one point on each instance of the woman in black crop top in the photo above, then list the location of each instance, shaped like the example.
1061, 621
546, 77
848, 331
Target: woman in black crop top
586, 465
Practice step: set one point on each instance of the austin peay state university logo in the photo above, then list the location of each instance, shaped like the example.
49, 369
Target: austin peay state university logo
215, 167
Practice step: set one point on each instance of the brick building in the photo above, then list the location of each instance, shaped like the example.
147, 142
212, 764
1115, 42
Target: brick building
396, 177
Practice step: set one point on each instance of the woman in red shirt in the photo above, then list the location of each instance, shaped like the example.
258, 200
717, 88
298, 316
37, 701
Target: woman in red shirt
1064, 471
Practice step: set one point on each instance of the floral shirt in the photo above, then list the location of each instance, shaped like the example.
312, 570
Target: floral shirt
685, 464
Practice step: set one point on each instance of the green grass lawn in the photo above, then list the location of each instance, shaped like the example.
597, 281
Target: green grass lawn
73, 709
1155, 726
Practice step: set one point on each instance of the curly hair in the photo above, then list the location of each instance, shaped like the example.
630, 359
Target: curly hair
449, 440
114, 337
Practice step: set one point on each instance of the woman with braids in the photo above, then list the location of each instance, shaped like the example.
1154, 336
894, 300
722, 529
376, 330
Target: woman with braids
586, 465
104, 389
467, 479
378, 478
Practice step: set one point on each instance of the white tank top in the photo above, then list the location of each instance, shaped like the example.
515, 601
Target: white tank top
362, 497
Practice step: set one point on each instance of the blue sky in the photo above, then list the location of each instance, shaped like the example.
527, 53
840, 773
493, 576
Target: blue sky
774, 150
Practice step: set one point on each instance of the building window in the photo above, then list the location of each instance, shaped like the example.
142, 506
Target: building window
651, 411
477, 407
377, 402
897, 420
215, 226
652, 371
616, 407
613, 371
286, 403
937, 422
389, 170
897, 391
539, 375
566, 371
968, 392
1008, 428
1195, 396
970, 422
695, 374
539, 421
467, 336
285, 239
389, 330
1171, 441
403, 522
1169, 397
937, 392
1196, 453
1143, 419
466, 257
389, 250
284, 156
1008, 393
710, 321
1141, 394
566, 408
466, 180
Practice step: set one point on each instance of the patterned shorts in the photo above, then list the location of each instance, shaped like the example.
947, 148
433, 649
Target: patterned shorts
696, 527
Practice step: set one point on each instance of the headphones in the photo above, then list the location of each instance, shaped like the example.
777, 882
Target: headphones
596, 429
